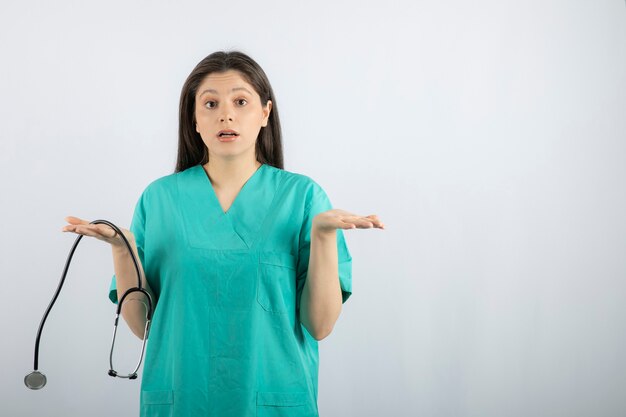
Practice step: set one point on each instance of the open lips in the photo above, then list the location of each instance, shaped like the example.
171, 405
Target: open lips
227, 133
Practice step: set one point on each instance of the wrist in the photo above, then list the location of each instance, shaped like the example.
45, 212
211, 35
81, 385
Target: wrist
323, 234
120, 247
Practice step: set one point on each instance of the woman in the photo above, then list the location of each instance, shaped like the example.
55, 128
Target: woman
246, 262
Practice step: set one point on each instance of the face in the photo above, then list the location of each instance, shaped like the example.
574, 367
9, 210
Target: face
226, 101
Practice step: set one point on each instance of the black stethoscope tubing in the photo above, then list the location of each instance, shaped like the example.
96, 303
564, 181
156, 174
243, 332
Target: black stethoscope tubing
40, 378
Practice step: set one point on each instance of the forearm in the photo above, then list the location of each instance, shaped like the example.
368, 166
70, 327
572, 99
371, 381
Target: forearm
320, 302
135, 304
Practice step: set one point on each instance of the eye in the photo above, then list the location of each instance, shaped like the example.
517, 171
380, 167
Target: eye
240, 100
207, 104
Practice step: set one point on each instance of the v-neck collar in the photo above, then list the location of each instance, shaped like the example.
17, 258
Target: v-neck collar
249, 183
208, 226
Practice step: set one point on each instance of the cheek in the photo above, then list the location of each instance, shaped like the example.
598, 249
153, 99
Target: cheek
253, 120
203, 121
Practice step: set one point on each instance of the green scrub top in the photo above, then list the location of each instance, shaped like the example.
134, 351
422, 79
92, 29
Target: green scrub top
226, 339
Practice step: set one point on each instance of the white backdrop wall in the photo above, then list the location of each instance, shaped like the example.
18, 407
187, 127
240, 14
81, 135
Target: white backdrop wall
489, 136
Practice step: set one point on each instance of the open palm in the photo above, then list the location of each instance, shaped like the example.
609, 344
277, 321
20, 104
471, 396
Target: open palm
331, 220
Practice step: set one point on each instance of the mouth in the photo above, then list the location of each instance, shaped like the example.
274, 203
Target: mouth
227, 134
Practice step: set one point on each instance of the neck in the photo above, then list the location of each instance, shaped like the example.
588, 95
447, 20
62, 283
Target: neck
226, 174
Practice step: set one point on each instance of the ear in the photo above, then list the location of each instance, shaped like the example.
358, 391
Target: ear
266, 112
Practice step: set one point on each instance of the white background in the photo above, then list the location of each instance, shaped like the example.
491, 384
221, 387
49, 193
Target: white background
489, 136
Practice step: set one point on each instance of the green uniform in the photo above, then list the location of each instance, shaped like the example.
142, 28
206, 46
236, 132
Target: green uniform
226, 339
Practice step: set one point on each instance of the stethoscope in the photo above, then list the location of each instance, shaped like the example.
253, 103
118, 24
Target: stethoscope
36, 380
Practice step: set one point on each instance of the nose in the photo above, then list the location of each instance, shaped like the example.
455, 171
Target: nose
226, 114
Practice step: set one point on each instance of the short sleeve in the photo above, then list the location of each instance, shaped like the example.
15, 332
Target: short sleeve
137, 227
319, 202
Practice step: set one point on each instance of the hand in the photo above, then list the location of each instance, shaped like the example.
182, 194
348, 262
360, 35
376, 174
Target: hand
331, 220
99, 231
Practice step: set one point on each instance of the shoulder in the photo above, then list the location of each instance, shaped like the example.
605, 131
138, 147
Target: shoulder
301, 184
297, 180
163, 185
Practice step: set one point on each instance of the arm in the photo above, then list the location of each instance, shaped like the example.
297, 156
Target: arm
134, 307
320, 302
321, 299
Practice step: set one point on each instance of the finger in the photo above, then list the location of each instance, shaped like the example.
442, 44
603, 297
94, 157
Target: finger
355, 217
90, 230
71, 227
377, 223
360, 223
86, 230
75, 220
373, 221
366, 222
341, 224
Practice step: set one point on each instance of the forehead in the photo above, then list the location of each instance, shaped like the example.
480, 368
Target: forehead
224, 82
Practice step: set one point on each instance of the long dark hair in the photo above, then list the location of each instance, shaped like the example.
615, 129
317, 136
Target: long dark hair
191, 149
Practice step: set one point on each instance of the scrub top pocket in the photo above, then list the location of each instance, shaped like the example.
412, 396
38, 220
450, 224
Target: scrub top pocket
277, 282
157, 403
284, 404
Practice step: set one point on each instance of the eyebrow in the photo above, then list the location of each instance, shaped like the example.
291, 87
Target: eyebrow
210, 90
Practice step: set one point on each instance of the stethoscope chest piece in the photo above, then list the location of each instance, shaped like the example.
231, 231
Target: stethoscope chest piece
35, 380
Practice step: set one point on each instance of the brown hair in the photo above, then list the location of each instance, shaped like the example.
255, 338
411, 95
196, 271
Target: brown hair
191, 149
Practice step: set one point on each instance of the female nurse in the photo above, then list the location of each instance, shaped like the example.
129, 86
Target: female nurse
246, 263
